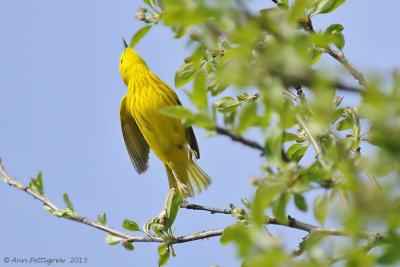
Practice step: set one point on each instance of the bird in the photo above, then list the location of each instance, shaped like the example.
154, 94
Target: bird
144, 127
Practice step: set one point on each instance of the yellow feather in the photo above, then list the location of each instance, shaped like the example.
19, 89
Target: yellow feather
166, 136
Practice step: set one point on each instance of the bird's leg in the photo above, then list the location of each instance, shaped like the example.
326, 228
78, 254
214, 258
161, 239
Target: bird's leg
191, 153
181, 186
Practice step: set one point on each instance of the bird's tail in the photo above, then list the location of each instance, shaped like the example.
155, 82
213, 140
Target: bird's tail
190, 174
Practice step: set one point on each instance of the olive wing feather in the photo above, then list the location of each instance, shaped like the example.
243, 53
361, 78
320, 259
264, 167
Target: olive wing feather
137, 147
190, 134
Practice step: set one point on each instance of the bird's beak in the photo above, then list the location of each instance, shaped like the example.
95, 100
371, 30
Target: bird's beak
125, 44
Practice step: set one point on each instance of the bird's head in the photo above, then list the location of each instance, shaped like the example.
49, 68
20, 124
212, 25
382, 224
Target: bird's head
129, 63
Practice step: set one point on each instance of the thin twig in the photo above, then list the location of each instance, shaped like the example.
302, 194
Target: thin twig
318, 150
202, 235
307, 25
345, 87
312, 230
292, 223
296, 224
187, 205
247, 142
319, 154
80, 219
373, 181
342, 59
372, 236
239, 139
365, 249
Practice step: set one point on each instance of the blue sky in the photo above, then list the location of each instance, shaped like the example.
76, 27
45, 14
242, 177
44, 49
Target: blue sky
60, 91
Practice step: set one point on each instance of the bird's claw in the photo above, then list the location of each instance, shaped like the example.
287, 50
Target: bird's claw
191, 153
183, 188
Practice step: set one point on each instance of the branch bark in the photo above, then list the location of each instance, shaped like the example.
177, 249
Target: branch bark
80, 219
187, 205
247, 142
239, 139
292, 223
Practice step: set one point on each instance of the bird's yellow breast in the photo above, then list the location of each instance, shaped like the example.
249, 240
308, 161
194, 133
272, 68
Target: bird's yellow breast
147, 95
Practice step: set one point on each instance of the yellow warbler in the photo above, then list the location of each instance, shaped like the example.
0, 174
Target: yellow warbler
144, 127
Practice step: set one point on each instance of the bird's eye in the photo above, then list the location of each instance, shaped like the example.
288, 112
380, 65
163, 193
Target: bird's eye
122, 61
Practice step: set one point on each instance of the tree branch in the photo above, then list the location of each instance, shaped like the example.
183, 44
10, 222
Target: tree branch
313, 230
307, 25
80, 219
247, 142
292, 223
187, 205
348, 88
342, 59
239, 139
319, 154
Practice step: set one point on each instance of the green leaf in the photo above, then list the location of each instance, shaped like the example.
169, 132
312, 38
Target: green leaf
325, 6
171, 205
273, 146
60, 213
102, 219
215, 85
47, 208
248, 117
151, 3
284, 4
279, 207
199, 95
293, 148
179, 31
178, 112
186, 72
337, 114
338, 40
316, 55
241, 235
263, 198
163, 258
36, 185
68, 202
139, 35
203, 120
300, 202
172, 251
128, 246
334, 32
344, 124
113, 240
334, 27
229, 118
162, 247
233, 232
321, 208
287, 137
208, 67
130, 225
299, 153
227, 104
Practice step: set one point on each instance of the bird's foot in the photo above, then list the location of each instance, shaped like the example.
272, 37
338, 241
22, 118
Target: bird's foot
181, 186
191, 153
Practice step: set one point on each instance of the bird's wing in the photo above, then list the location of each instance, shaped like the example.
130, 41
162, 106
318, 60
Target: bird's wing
136, 145
190, 134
